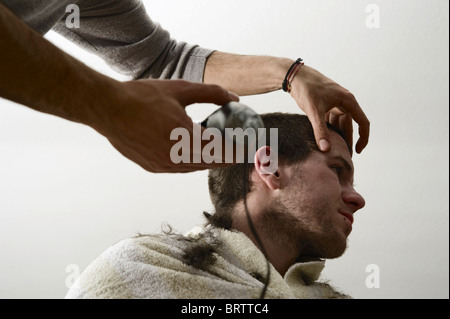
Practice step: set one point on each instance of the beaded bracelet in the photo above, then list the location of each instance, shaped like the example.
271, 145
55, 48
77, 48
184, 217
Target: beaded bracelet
287, 83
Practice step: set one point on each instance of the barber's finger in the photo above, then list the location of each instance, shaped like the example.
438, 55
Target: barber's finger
205, 93
320, 129
364, 137
333, 119
346, 126
352, 106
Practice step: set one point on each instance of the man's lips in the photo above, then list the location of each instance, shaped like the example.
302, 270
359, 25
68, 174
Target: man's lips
348, 216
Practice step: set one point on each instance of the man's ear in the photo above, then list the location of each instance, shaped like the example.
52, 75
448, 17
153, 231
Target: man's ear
266, 166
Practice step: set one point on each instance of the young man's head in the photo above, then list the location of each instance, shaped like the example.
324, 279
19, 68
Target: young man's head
305, 208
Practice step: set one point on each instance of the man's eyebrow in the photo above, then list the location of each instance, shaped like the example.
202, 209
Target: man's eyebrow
347, 165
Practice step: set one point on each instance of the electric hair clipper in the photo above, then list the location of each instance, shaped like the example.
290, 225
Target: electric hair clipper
234, 115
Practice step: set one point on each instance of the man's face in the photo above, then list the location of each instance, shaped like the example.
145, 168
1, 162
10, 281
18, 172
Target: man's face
313, 214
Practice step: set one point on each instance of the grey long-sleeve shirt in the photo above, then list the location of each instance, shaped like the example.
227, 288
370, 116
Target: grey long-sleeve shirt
120, 32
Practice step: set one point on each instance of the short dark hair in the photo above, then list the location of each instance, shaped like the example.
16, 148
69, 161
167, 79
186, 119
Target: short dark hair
295, 143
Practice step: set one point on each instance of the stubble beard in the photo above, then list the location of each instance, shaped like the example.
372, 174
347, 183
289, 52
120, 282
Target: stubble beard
292, 229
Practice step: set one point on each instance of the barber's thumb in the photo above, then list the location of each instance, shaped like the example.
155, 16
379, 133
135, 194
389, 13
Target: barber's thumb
219, 95
208, 93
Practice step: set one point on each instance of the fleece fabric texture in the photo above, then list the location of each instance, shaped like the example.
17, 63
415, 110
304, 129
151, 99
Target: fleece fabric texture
120, 32
231, 266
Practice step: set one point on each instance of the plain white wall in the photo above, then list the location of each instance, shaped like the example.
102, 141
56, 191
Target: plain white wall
66, 195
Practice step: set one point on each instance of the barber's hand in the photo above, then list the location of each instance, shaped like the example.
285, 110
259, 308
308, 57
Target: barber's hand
324, 100
140, 119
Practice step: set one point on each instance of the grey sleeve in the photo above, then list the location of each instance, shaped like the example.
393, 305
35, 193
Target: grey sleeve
122, 33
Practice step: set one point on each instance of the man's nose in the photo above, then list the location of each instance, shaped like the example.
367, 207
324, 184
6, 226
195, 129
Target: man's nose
353, 199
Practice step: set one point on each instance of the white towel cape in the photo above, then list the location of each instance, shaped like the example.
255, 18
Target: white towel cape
154, 266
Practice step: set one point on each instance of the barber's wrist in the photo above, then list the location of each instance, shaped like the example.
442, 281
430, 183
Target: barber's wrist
283, 65
291, 75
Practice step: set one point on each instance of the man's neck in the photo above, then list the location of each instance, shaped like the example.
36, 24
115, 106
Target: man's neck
277, 255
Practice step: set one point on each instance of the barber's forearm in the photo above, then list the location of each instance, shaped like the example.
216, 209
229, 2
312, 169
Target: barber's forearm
37, 74
246, 75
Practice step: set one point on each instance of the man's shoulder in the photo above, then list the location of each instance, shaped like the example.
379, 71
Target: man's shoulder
131, 268
165, 265
143, 248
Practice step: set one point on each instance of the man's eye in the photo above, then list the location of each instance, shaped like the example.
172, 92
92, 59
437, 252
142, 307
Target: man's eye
337, 169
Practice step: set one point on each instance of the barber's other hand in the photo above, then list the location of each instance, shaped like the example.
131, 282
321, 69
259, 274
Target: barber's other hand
324, 100
142, 114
